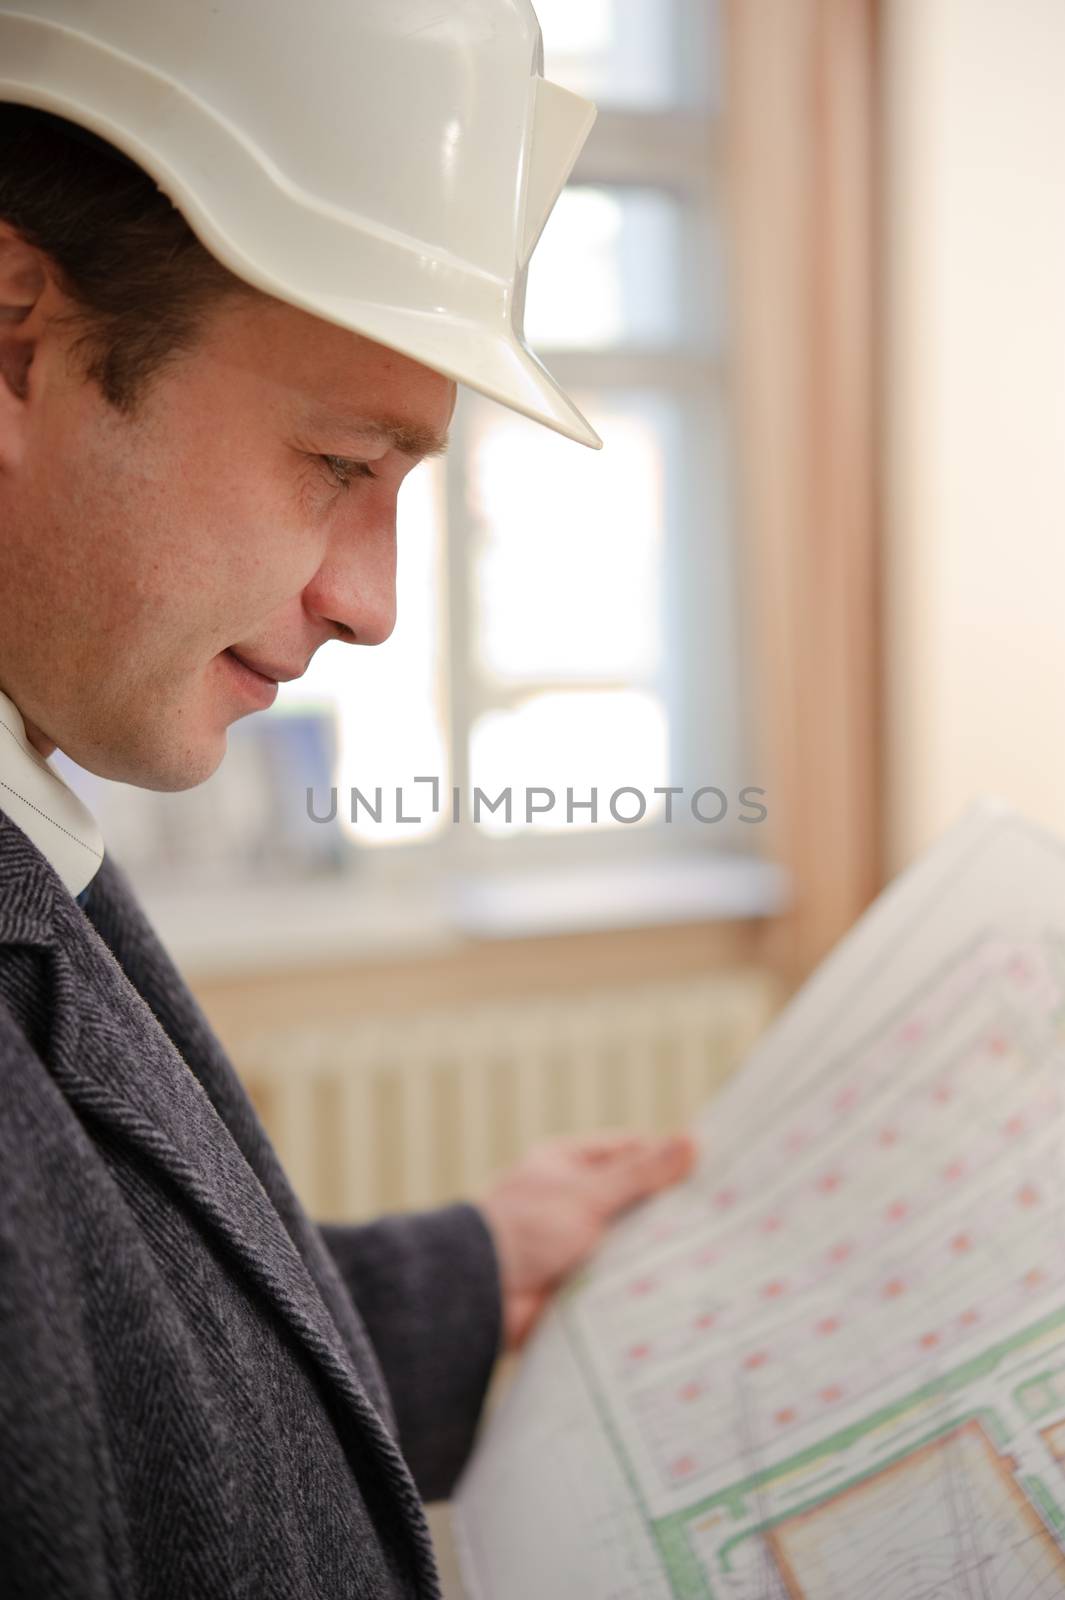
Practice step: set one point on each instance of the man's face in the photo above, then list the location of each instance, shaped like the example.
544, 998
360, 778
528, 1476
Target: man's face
136, 552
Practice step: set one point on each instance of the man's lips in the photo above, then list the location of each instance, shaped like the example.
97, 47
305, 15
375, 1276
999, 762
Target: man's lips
272, 672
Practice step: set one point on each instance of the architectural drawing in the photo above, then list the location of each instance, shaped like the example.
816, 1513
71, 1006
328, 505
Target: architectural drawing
833, 1363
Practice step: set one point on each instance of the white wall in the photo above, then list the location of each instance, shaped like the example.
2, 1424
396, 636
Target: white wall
975, 410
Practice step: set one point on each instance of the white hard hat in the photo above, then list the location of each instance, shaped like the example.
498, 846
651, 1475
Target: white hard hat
385, 164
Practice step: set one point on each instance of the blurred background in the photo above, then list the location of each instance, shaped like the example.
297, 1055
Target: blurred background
808, 282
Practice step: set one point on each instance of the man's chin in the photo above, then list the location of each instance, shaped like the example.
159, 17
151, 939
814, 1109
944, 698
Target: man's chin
188, 772
166, 767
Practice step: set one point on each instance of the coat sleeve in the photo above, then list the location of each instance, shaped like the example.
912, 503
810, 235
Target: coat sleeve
427, 1287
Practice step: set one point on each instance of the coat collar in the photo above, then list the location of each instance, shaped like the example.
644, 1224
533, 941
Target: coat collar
51, 814
167, 1092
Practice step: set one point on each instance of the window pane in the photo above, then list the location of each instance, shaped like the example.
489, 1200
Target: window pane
606, 271
391, 720
570, 544
579, 741
619, 52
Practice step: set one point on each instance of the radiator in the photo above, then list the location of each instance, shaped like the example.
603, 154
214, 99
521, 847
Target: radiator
409, 1111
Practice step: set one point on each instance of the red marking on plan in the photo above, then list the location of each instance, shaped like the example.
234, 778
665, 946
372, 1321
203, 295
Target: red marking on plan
725, 1198
757, 1358
887, 1136
997, 1045
960, 1243
1015, 1125
828, 1325
833, 1392
942, 1093
690, 1391
829, 1182
897, 1210
954, 1171
705, 1319
840, 1251
929, 1341
773, 1290
637, 1352
641, 1286
1028, 1196
771, 1224
683, 1466
912, 1032
784, 1416
1034, 1277
968, 1318
894, 1287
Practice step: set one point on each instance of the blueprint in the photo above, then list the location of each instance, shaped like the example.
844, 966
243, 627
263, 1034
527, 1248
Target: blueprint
832, 1363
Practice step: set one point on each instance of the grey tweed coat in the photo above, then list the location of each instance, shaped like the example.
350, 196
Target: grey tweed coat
202, 1393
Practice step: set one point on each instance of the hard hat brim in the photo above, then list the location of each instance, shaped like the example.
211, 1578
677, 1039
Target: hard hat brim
496, 364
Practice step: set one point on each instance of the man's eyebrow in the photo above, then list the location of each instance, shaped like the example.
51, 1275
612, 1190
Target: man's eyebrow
407, 438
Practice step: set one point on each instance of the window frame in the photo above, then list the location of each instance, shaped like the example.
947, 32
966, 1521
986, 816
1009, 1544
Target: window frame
677, 151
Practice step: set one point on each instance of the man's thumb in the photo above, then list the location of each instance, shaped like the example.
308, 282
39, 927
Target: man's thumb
660, 1163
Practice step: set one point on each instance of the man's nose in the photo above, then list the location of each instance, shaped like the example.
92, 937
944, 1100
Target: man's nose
355, 586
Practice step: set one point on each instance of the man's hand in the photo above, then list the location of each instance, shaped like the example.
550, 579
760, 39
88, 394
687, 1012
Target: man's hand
550, 1211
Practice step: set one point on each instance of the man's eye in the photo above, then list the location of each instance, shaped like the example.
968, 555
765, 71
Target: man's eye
344, 471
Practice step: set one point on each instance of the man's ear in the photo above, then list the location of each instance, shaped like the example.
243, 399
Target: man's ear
24, 280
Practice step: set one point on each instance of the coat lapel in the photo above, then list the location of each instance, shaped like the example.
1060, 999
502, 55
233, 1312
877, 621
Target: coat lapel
129, 936
141, 1090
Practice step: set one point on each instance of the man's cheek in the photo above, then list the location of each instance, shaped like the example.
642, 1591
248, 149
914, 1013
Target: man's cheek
279, 560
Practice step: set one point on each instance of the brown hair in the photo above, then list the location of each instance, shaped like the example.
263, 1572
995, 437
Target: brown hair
140, 281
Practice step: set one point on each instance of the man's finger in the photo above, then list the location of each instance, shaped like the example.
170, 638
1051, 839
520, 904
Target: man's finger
596, 1148
643, 1171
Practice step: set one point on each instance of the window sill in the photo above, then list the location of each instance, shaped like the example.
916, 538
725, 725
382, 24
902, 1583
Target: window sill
216, 931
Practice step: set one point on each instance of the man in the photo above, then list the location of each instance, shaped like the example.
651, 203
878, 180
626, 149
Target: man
202, 1393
